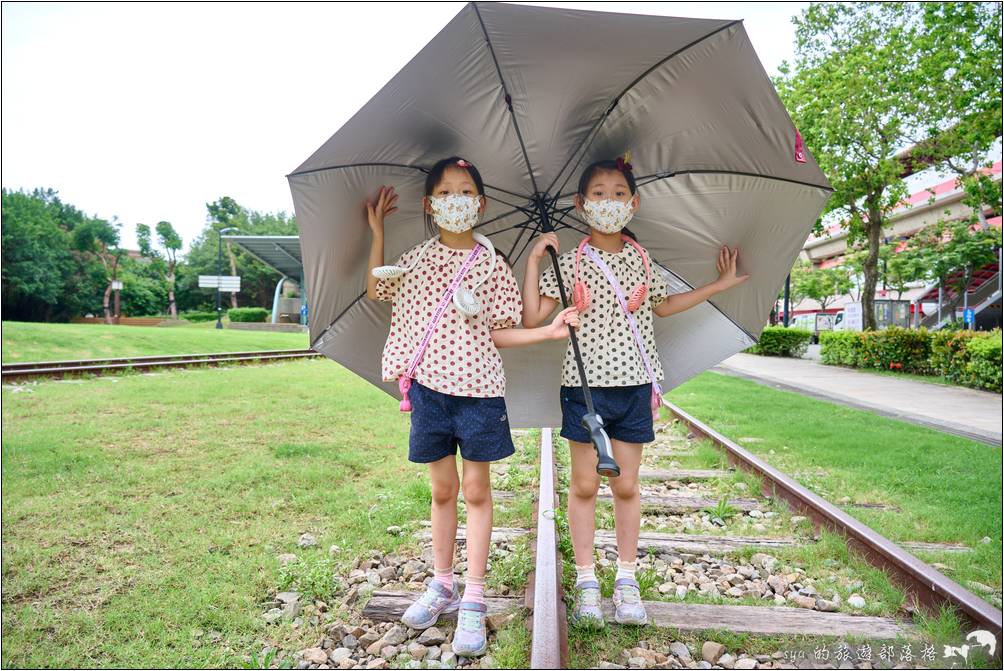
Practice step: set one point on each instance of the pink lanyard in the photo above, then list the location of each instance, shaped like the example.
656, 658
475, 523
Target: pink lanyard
404, 382
656, 389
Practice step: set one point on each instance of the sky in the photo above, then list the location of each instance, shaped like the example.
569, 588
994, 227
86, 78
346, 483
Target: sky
146, 112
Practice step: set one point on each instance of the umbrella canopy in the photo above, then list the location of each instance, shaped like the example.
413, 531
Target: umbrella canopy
531, 95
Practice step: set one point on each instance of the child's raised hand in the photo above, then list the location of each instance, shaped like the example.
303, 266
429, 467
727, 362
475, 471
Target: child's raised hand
540, 247
727, 277
567, 318
382, 207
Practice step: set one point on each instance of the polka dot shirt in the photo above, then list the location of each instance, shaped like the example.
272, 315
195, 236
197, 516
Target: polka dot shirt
461, 359
609, 352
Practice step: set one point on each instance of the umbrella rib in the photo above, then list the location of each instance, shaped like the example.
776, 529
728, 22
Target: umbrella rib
645, 180
497, 217
591, 135
508, 98
359, 165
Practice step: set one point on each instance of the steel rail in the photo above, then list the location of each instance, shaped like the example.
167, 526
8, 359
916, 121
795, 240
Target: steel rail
924, 584
549, 646
57, 369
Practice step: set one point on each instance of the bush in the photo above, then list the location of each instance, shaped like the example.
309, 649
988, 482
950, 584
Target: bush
983, 369
782, 341
970, 358
840, 348
893, 348
248, 314
198, 316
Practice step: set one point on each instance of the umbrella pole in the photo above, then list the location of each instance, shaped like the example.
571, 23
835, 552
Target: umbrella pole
593, 423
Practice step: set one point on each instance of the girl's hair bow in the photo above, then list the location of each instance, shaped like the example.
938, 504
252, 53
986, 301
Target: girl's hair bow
623, 163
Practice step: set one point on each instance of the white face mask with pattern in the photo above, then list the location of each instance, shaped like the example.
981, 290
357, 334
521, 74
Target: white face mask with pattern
455, 213
607, 216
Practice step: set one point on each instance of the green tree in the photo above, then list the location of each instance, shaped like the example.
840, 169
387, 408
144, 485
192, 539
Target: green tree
100, 239
899, 268
257, 279
948, 252
44, 276
36, 255
821, 284
226, 213
959, 84
164, 259
851, 93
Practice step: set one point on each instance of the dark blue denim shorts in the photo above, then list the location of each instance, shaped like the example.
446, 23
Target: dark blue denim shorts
626, 413
440, 423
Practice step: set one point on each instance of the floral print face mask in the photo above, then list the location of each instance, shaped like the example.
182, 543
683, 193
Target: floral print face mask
455, 213
607, 216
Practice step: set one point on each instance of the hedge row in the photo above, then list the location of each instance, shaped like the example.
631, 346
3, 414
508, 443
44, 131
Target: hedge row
970, 358
248, 314
198, 316
782, 341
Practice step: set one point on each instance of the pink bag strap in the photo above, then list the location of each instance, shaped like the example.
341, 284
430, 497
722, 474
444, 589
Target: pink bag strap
404, 382
619, 292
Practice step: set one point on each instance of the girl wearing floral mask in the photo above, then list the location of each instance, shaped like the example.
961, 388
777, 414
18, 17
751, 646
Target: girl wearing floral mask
454, 303
617, 293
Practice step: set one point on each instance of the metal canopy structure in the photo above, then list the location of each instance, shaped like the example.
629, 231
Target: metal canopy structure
279, 252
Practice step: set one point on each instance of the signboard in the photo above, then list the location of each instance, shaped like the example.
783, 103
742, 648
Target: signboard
853, 317
116, 285
824, 322
969, 316
227, 283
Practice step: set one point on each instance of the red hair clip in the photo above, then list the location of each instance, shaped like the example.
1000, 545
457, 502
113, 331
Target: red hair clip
623, 165
462, 163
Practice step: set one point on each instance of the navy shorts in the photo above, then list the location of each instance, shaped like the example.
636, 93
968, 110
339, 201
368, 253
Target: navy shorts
626, 413
441, 422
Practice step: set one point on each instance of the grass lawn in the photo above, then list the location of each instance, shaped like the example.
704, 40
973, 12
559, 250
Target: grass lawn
944, 488
141, 512
29, 341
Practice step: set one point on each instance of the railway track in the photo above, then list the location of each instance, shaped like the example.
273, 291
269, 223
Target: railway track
924, 584
20, 372
797, 614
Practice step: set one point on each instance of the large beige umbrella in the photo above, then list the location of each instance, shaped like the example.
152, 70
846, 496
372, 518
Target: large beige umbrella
531, 95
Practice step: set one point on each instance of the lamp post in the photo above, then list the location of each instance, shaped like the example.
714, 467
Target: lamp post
219, 273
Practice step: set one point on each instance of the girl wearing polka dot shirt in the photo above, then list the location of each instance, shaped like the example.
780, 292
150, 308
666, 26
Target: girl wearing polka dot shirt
619, 376
456, 389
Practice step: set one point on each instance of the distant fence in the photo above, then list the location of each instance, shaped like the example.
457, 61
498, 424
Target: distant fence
122, 321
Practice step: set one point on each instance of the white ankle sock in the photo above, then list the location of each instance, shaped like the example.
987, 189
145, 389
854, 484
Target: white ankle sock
626, 569
584, 574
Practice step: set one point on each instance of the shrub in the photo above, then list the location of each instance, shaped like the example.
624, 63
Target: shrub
782, 341
840, 348
248, 314
983, 370
969, 358
198, 316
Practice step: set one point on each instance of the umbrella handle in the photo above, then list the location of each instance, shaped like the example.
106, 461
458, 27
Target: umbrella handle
605, 463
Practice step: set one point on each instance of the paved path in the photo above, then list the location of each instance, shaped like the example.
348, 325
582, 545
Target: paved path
965, 412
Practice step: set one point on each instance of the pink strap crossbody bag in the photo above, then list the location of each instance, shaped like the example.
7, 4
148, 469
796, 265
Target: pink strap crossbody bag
404, 382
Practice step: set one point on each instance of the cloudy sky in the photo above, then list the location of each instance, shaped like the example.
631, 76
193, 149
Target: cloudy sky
148, 112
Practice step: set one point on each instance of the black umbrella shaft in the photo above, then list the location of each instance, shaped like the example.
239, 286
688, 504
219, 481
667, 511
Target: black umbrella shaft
571, 336
545, 221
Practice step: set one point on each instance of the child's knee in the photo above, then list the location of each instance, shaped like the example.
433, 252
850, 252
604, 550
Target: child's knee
624, 487
585, 485
444, 493
477, 492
